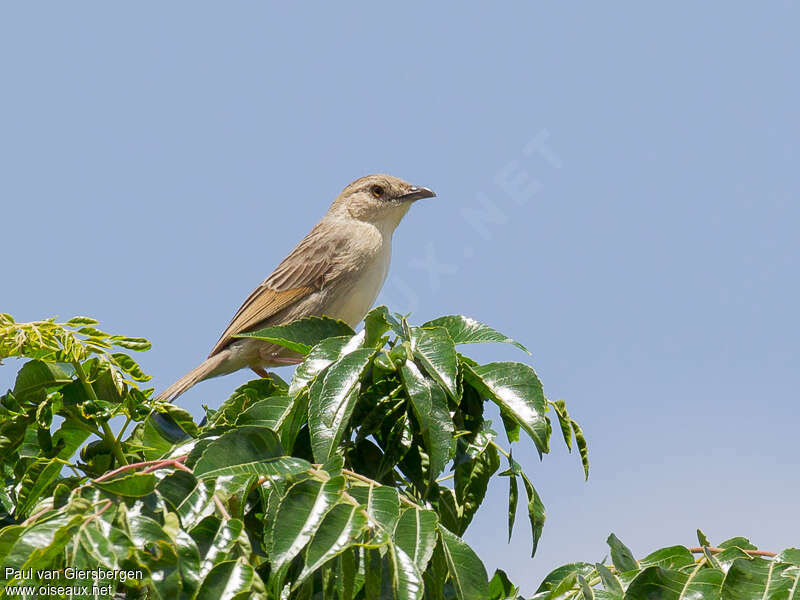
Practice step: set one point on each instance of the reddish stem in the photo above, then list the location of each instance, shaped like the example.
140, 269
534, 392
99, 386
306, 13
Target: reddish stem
153, 464
700, 549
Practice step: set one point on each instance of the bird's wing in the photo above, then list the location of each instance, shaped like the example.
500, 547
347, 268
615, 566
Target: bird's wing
308, 267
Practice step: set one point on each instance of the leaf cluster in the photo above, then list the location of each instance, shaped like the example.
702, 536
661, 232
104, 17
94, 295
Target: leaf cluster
356, 479
735, 569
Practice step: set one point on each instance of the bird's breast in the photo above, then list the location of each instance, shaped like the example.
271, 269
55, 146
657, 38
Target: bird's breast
363, 288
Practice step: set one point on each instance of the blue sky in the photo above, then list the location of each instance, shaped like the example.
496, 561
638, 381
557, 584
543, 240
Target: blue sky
635, 169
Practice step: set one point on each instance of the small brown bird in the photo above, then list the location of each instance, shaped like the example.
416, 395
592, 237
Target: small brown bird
337, 270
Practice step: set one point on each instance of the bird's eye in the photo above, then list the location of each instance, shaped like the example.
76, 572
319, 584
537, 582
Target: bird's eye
377, 191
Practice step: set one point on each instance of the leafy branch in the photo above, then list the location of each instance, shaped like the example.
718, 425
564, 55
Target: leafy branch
356, 479
733, 569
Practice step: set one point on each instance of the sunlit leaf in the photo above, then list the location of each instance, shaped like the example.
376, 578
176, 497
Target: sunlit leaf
341, 526
517, 390
299, 516
466, 569
320, 357
668, 584
430, 409
434, 349
464, 330
332, 399
247, 450
301, 335
382, 505
415, 533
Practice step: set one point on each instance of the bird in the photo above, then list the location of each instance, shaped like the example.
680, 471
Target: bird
337, 270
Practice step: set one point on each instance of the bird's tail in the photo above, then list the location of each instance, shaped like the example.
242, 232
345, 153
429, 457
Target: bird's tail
208, 368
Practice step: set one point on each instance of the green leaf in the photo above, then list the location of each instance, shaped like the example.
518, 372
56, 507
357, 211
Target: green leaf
42, 473
247, 450
225, 539
672, 557
702, 539
320, 357
377, 322
415, 533
301, 335
563, 422
448, 509
108, 546
158, 436
582, 449
245, 396
789, 555
611, 582
197, 505
281, 466
517, 390
373, 574
294, 420
269, 412
436, 585
564, 574
759, 578
189, 557
181, 417
231, 580
76, 321
12, 432
621, 555
586, 589
382, 505
464, 330
511, 426
466, 569
332, 399
471, 481
738, 542
513, 494
38, 480
667, 584
131, 343
134, 485
397, 443
175, 486
406, 579
347, 580
430, 408
35, 376
129, 366
40, 541
435, 350
340, 528
725, 559
500, 588
536, 514
300, 514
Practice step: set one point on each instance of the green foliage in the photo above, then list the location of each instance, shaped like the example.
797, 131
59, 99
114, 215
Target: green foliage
736, 570
356, 480
335, 484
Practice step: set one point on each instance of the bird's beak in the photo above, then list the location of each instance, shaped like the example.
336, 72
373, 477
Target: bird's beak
416, 193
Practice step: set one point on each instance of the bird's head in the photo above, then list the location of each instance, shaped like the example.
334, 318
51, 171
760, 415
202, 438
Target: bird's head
379, 199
